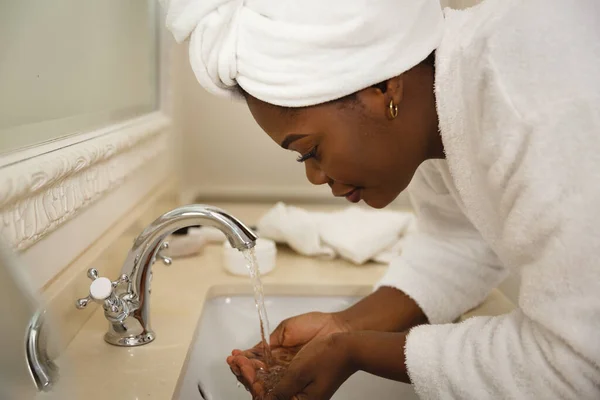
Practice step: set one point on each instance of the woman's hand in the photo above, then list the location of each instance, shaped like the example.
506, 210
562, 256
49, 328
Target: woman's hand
387, 310
251, 369
318, 370
287, 339
301, 329
324, 364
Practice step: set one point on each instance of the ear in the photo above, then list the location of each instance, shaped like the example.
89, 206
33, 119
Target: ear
395, 89
377, 98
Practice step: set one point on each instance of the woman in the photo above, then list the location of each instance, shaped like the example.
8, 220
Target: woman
493, 115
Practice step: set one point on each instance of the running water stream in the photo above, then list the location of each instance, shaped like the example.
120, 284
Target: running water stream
259, 300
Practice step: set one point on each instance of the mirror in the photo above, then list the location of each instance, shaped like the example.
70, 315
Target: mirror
71, 66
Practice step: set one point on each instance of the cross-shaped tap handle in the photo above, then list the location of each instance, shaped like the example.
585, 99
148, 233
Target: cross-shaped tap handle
101, 290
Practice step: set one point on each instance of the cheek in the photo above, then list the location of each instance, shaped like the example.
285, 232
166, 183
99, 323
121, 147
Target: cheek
343, 162
348, 156
358, 150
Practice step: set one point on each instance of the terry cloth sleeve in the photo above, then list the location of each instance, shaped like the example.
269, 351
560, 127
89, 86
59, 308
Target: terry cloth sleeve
445, 266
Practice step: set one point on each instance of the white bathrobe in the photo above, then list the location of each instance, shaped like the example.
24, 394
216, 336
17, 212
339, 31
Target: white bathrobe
518, 92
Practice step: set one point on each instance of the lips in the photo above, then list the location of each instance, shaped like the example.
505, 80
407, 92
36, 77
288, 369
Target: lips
353, 196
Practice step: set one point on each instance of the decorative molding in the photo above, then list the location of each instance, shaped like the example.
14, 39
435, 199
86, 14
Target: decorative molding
39, 194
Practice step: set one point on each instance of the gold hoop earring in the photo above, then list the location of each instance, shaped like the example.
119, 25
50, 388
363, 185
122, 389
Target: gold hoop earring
393, 109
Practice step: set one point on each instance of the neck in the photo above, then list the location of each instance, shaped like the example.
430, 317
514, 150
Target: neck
436, 145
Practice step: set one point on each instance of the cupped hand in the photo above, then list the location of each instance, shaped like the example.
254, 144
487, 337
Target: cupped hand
287, 339
251, 369
317, 371
301, 329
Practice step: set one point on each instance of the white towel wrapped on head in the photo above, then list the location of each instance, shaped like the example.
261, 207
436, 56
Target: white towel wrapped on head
355, 233
298, 53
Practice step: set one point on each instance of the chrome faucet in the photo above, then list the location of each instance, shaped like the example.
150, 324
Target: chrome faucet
42, 369
126, 301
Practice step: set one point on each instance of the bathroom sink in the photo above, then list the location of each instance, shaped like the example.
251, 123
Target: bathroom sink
230, 322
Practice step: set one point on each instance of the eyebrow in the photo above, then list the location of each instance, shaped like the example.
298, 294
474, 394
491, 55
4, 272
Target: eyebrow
291, 139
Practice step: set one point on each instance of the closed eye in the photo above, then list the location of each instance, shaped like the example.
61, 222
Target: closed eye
309, 155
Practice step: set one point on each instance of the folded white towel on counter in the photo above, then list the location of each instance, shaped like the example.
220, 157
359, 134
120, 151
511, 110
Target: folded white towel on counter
297, 53
355, 233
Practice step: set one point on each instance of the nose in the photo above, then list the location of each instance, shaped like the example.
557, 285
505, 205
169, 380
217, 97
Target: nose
315, 174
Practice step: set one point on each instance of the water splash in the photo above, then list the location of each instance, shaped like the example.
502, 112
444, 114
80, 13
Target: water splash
259, 300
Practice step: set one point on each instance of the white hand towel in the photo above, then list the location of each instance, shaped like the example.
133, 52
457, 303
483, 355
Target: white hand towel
298, 53
355, 233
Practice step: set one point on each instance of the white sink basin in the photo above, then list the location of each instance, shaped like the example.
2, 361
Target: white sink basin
232, 322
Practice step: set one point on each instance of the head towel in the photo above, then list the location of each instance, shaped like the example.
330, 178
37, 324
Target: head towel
298, 53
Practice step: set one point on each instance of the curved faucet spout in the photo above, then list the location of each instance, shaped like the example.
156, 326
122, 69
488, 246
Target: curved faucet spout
130, 318
240, 236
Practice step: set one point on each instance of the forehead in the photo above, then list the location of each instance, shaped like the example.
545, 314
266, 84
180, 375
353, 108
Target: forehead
277, 122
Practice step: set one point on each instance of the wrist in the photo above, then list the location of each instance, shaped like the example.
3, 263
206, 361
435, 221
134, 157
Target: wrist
377, 353
355, 344
349, 347
386, 310
345, 322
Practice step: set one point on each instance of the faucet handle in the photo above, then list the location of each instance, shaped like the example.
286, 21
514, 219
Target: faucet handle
102, 290
166, 260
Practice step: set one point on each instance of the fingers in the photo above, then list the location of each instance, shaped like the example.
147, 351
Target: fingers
236, 371
234, 368
232, 358
256, 388
248, 371
255, 352
290, 333
245, 368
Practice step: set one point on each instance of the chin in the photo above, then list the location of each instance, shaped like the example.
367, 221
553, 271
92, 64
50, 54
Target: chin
377, 203
379, 200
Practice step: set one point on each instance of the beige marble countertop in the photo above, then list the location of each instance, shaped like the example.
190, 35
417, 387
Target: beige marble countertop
92, 369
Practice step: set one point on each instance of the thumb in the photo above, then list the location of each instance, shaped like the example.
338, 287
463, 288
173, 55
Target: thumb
277, 336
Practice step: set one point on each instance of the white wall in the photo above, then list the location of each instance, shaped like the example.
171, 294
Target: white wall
225, 153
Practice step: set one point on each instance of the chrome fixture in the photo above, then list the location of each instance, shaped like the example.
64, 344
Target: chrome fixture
126, 301
43, 371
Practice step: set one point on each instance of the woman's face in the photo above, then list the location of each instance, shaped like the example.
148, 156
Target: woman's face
353, 145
